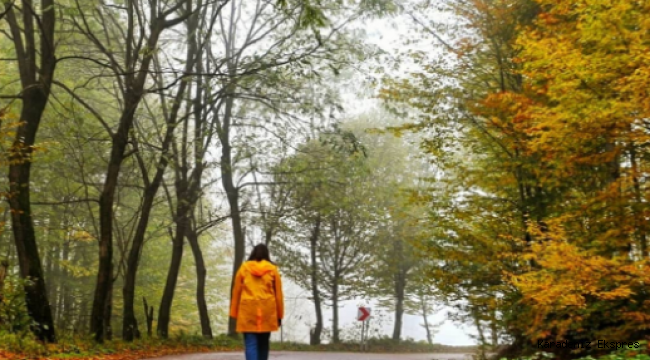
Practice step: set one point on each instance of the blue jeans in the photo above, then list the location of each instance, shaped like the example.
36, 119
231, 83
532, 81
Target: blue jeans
257, 346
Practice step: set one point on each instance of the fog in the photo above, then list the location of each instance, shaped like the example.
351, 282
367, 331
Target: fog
300, 316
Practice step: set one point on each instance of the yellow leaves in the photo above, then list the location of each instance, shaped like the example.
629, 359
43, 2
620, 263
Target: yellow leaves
621, 292
82, 236
586, 69
12, 152
567, 279
77, 270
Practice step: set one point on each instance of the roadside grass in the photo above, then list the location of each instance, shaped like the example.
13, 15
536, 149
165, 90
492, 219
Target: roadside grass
24, 346
377, 345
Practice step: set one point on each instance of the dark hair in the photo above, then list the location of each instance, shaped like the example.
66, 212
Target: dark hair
260, 252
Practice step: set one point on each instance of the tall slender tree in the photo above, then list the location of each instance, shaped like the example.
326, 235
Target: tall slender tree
33, 35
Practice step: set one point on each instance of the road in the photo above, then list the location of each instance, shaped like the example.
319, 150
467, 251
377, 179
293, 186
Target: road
286, 355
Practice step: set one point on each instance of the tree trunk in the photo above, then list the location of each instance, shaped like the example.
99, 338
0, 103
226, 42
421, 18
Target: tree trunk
425, 316
494, 333
268, 236
164, 310
148, 313
4, 269
36, 295
64, 314
106, 208
399, 288
400, 284
639, 223
232, 193
108, 309
428, 330
130, 323
48, 264
54, 279
84, 307
79, 309
36, 82
335, 311
239, 248
481, 335
318, 329
201, 272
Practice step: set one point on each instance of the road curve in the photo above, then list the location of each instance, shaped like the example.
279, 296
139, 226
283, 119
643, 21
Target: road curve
289, 355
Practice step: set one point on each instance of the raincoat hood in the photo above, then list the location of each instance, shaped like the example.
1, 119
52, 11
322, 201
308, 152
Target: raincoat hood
259, 268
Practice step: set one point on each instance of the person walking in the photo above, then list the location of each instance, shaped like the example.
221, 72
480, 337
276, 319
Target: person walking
257, 302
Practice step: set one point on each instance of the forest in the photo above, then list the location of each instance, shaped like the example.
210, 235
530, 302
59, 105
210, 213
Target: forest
492, 160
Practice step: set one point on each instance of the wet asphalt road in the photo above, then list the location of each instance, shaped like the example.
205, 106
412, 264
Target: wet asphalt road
320, 356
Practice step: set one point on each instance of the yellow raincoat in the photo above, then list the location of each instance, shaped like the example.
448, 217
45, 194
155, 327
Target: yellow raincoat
257, 299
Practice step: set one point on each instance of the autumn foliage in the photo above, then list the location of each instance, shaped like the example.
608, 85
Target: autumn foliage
586, 63
541, 217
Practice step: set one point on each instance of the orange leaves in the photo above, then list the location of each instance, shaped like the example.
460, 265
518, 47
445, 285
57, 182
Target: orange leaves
568, 280
507, 112
548, 19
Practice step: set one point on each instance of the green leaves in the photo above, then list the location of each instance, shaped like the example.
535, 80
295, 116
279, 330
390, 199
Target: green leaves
313, 17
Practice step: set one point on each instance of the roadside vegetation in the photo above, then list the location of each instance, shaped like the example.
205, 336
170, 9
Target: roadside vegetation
27, 347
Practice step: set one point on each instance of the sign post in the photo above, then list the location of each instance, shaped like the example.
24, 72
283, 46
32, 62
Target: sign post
365, 342
363, 329
363, 315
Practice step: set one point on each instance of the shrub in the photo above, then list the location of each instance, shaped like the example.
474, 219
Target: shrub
21, 343
14, 317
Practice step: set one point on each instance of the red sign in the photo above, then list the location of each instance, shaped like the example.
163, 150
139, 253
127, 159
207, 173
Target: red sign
363, 314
